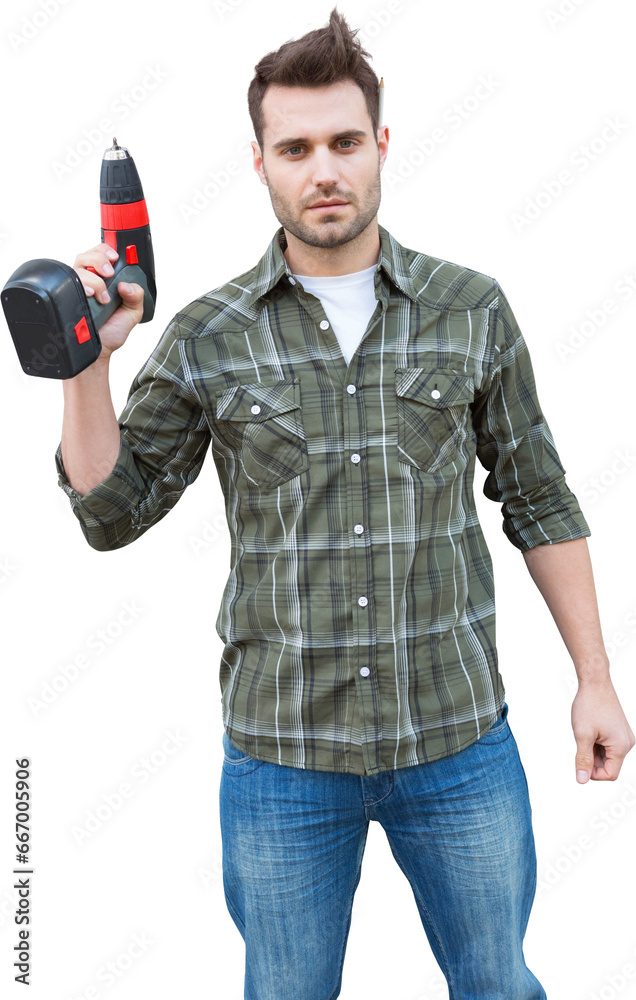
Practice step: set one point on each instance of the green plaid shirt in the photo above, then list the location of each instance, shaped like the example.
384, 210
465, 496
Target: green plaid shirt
358, 617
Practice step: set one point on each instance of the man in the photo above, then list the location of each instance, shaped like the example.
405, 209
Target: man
346, 385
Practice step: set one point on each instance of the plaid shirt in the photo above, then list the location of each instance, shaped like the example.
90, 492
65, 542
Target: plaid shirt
358, 616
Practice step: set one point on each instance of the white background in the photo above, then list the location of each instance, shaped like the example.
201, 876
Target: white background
153, 868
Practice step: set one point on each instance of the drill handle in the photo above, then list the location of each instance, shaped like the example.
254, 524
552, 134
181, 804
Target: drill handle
131, 273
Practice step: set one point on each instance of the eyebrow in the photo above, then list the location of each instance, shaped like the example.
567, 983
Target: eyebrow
358, 133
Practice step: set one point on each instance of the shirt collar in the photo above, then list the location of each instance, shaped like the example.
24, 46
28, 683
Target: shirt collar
273, 267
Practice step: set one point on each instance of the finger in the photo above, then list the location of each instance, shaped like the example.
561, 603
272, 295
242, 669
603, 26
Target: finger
607, 765
105, 249
584, 761
132, 296
132, 290
97, 259
93, 284
102, 248
102, 266
95, 256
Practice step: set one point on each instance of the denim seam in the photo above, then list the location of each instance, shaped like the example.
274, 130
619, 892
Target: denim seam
497, 730
376, 802
500, 727
498, 743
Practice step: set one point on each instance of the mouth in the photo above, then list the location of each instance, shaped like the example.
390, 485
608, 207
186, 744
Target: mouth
325, 208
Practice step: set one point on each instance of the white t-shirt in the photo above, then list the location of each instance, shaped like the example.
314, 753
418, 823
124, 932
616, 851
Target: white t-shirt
348, 300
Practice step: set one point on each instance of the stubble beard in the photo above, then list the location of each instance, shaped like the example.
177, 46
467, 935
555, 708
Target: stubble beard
326, 231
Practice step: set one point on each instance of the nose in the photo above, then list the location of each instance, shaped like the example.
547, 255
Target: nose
324, 173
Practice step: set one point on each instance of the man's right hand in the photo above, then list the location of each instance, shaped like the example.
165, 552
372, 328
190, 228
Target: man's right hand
115, 330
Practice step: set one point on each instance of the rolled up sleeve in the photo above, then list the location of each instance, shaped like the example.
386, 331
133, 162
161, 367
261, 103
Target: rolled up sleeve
164, 436
515, 445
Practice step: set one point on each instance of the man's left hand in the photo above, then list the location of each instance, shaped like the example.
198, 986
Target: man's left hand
603, 735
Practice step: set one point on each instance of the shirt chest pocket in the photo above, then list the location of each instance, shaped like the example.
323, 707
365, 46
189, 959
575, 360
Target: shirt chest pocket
432, 415
263, 423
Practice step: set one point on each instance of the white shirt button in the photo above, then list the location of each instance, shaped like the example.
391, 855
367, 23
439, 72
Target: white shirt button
436, 393
355, 458
351, 389
324, 324
292, 281
358, 528
365, 671
256, 408
362, 601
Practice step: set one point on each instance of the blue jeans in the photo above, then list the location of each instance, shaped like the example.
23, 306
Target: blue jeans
459, 828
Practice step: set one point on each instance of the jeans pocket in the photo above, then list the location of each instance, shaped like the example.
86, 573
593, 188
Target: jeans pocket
432, 415
500, 729
235, 761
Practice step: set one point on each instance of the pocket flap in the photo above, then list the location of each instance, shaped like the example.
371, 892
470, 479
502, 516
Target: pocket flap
437, 387
257, 401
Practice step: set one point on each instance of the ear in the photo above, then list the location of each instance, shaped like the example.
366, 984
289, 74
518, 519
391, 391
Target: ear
258, 161
383, 143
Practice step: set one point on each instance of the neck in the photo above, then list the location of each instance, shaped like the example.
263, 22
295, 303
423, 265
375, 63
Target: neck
324, 262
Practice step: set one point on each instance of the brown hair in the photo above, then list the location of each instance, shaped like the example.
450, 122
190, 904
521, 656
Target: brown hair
320, 58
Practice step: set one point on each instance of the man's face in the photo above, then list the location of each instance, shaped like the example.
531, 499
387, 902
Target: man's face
319, 144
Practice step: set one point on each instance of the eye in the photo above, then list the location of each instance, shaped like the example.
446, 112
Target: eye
290, 148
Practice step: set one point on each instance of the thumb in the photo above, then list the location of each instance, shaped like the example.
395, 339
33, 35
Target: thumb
584, 761
131, 292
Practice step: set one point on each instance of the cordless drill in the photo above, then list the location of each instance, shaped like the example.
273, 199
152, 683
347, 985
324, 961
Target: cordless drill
53, 323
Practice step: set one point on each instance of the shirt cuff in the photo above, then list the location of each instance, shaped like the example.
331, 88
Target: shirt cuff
556, 517
111, 504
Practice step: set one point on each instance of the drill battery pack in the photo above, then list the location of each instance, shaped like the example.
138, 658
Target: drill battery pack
47, 312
